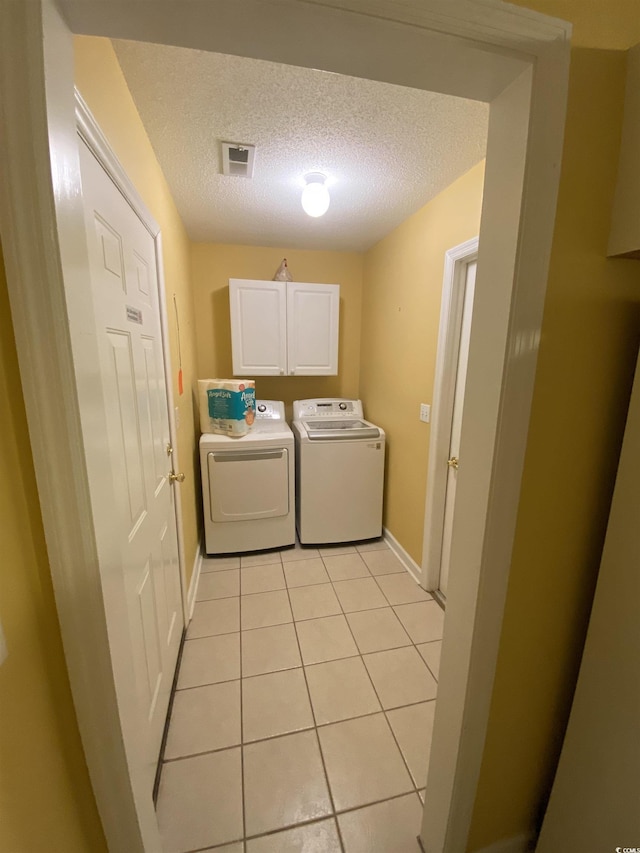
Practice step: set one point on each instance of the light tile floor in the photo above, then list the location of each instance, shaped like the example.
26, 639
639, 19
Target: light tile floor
304, 706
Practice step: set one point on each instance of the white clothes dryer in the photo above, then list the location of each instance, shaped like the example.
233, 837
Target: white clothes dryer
339, 472
248, 485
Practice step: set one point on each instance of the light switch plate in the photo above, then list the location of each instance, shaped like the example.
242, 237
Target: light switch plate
425, 412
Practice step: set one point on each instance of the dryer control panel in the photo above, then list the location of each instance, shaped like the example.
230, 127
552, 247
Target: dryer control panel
270, 410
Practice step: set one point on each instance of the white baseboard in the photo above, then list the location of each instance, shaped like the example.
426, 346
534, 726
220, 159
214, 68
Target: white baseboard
523, 843
406, 559
195, 580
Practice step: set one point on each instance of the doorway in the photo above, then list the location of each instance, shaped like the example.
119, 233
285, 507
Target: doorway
448, 403
410, 46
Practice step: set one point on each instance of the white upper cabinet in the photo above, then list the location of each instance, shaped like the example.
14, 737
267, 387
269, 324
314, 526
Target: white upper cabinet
283, 328
312, 329
258, 327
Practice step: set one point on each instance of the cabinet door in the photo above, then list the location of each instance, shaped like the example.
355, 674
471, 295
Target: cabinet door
258, 327
312, 329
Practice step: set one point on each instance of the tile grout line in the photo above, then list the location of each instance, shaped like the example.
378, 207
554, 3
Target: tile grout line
310, 822
433, 675
315, 729
304, 823
411, 642
366, 669
392, 606
343, 612
323, 583
313, 663
384, 710
316, 726
286, 550
242, 788
390, 727
243, 742
326, 817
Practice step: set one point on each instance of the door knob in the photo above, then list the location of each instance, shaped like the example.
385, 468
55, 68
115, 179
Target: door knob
453, 462
176, 478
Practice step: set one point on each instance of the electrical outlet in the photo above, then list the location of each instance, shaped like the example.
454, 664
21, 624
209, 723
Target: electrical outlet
425, 412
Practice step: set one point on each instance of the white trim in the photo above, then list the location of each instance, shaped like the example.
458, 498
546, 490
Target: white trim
173, 427
193, 585
404, 556
455, 270
525, 79
41, 235
89, 130
98, 144
523, 843
497, 22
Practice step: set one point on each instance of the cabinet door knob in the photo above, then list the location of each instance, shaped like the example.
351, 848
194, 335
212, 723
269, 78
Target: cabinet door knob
281, 371
291, 372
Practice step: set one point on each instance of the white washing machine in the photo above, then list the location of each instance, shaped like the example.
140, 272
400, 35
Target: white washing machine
339, 472
248, 485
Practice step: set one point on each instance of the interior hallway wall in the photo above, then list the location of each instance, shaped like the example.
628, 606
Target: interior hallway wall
587, 355
213, 264
101, 83
401, 295
46, 800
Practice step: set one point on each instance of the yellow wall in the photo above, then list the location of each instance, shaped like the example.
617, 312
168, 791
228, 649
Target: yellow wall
587, 352
402, 291
213, 265
46, 801
587, 355
102, 85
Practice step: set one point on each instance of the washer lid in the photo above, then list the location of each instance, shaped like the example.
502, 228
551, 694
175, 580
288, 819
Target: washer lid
338, 430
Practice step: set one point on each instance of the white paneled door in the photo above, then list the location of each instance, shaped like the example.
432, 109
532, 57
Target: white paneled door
124, 282
456, 425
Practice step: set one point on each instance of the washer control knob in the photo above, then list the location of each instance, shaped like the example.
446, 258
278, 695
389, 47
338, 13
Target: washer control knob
262, 407
343, 406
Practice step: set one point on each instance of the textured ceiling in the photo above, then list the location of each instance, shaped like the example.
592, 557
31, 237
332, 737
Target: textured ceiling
387, 149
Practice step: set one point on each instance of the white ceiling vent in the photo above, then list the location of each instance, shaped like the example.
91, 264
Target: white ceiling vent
237, 159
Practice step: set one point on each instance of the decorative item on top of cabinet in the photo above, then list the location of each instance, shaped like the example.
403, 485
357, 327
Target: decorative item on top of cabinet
283, 273
283, 328
624, 239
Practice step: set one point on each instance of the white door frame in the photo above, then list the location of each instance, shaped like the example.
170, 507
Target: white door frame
60, 375
513, 58
453, 281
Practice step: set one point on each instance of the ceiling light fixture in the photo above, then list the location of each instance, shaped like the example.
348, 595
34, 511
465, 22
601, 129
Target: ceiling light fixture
315, 196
